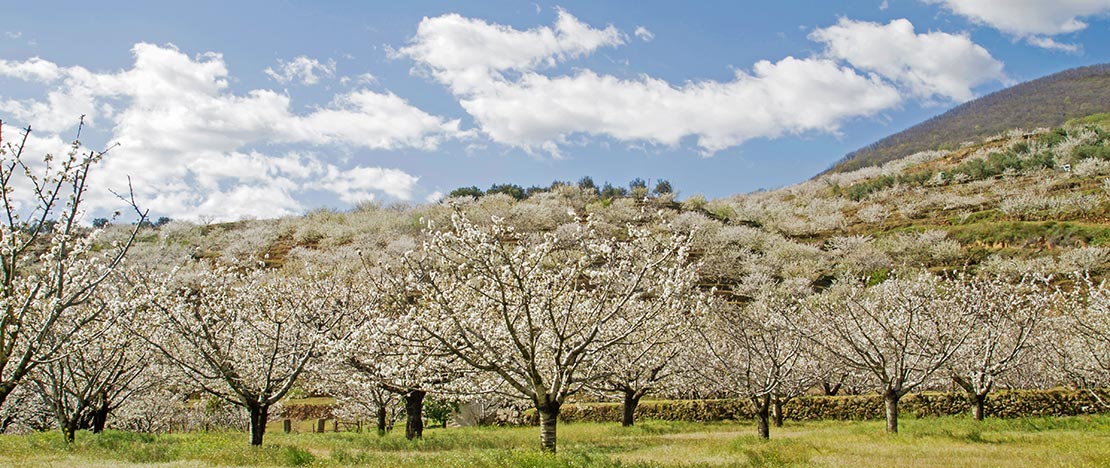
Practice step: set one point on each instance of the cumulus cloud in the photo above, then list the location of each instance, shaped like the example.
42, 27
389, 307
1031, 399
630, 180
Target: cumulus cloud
194, 148
929, 65
357, 185
303, 70
495, 72
1032, 20
35, 69
789, 96
466, 53
643, 33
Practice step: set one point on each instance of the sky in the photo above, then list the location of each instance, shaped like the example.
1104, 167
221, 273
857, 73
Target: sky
259, 109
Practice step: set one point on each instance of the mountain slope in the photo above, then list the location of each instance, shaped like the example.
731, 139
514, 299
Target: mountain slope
1044, 102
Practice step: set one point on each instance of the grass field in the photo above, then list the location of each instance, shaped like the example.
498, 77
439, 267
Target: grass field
929, 442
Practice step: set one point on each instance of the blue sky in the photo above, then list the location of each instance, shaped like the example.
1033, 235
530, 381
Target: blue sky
226, 110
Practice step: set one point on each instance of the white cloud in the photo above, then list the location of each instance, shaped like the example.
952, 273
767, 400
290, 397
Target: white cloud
466, 53
434, 197
1032, 20
494, 71
1028, 17
643, 33
356, 185
371, 120
248, 201
301, 70
790, 96
1052, 44
34, 69
193, 148
933, 64
361, 79
883, 6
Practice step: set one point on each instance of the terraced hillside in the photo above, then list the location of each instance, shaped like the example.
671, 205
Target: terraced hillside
1014, 202
1045, 102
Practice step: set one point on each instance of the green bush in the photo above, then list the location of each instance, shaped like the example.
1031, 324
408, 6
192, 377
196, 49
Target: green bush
1092, 151
440, 410
860, 190
997, 163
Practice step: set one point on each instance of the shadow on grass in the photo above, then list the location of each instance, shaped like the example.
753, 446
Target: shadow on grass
773, 453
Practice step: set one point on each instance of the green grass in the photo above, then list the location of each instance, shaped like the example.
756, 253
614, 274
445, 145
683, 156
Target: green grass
928, 442
1101, 119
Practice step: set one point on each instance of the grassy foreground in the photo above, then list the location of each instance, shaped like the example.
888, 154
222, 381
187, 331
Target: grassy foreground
929, 442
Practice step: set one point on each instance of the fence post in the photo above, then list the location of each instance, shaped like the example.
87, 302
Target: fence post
287, 425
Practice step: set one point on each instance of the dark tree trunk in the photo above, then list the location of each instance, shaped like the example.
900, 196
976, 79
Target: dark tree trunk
69, 432
831, 389
259, 414
776, 411
100, 417
414, 414
890, 398
549, 418
762, 415
381, 420
628, 408
6, 389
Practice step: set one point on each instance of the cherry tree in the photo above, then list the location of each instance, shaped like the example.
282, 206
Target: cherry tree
388, 354
380, 350
244, 336
900, 333
646, 362
542, 311
753, 351
1005, 320
84, 385
357, 395
1081, 337
50, 264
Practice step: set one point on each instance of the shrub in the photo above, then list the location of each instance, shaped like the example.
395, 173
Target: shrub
1003, 404
1092, 152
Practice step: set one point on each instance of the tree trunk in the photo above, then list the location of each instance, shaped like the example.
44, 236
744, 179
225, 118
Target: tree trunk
100, 417
978, 404
69, 432
549, 416
628, 408
830, 389
890, 398
381, 420
6, 388
762, 415
977, 397
414, 414
259, 414
776, 412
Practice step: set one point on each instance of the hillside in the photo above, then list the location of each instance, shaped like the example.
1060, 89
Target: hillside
1045, 102
1017, 202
